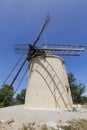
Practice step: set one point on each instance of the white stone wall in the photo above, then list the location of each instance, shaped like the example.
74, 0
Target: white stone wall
48, 86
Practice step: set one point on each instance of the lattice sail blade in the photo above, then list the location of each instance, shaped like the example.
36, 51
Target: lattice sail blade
47, 19
63, 45
63, 49
57, 49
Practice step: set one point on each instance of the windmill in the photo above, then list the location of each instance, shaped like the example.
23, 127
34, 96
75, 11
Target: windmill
47, 86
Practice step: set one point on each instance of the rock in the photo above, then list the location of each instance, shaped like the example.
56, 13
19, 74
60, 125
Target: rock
51, 124
2, 121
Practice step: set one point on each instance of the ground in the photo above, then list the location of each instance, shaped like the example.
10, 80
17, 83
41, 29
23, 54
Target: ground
13, 118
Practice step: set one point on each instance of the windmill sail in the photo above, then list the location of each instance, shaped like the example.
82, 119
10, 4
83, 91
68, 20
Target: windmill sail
58, 49
42, 29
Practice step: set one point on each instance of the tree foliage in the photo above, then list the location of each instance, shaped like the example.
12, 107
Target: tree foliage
77, 90
6, 95
21, 97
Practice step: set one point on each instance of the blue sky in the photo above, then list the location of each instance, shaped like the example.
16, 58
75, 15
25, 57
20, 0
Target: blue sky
21, 20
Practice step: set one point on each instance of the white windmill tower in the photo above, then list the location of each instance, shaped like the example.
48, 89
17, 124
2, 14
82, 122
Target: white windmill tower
47, 86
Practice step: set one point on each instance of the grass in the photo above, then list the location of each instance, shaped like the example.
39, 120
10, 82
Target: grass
29, 126
76, 125
70, 125
10, 121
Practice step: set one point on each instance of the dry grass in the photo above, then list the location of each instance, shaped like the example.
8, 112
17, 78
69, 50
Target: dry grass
29, 126
6, 125
76, 125
69, 125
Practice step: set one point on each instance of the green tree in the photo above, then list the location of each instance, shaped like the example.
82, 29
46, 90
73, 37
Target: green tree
6, 95
84, 99
76, 89
20, 98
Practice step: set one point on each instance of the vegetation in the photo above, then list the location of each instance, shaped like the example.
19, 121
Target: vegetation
76, 125
77, 90
20, 98
7, 99
29, 126
6, 95
70, 125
